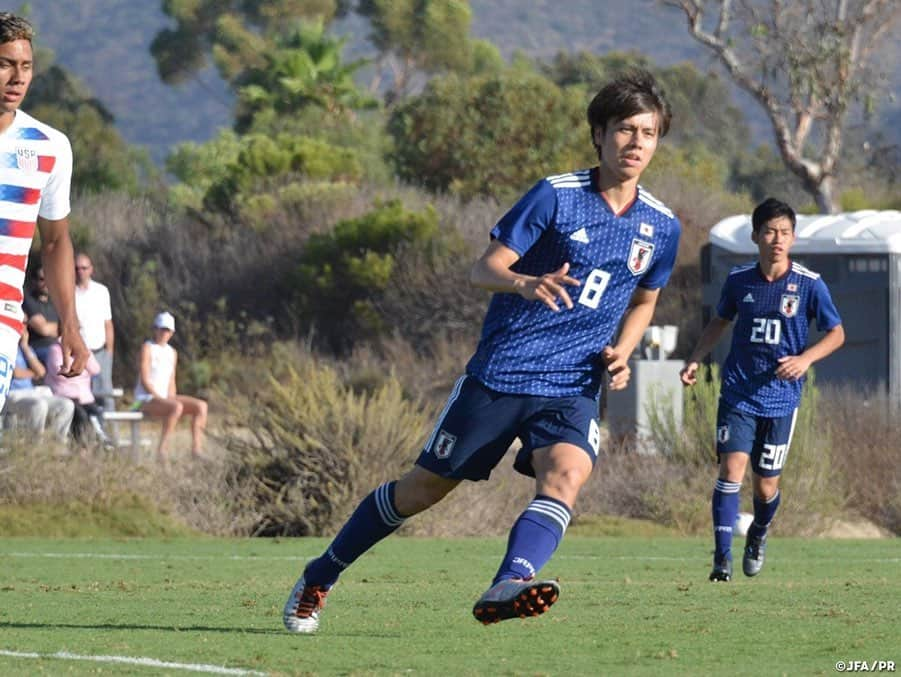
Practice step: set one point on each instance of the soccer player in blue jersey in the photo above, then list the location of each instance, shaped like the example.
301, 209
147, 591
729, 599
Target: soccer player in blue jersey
772, 303
578, 256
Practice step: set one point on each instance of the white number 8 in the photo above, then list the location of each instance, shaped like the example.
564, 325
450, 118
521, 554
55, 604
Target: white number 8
594, 287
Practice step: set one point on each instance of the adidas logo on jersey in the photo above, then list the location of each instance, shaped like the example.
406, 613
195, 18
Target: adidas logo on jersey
580, 235
749, 298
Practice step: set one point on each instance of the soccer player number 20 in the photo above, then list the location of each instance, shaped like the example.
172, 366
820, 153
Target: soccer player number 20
766, 330
595, 284
773, 456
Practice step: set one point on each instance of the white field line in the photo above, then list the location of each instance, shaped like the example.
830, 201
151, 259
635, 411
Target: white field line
129, 660
113, 555
256, 558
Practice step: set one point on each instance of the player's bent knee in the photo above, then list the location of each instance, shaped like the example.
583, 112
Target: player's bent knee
562, 476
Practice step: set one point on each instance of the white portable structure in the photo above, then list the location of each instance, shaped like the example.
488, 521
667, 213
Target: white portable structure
858, 255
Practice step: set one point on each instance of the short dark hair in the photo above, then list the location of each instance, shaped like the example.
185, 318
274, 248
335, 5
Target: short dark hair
14, 28
770, 209
635, 91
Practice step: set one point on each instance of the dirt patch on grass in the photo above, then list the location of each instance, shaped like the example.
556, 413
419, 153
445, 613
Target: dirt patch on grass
855, 528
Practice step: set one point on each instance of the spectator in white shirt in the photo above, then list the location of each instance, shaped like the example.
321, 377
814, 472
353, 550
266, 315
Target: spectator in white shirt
95, 318
156, 394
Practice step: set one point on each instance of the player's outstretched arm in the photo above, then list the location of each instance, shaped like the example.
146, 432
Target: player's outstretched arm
711, 335
635, 320
492, 272
793, 367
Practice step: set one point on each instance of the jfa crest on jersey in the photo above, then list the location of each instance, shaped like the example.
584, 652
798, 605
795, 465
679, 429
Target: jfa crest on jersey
526, 348
772, 320
640, 256
789, 305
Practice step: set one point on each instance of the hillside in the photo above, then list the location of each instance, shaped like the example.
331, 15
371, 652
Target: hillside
106, 44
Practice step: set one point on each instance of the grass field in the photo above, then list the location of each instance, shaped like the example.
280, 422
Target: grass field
629, 606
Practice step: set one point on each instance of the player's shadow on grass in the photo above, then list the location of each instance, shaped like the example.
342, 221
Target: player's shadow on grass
172, 628
132, 626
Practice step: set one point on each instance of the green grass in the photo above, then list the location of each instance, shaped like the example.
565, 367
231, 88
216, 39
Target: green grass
629, 606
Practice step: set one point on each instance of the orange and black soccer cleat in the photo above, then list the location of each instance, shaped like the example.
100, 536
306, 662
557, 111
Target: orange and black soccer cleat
515, 598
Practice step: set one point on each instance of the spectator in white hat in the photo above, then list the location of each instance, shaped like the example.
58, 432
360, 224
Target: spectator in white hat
155, 390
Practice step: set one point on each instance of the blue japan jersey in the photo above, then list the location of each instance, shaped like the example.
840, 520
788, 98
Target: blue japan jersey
771, 320
528, 349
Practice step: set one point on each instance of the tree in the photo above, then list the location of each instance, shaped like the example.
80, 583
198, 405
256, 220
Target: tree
419, 35
703, 112
302, 68
806, 62
103, 160
491, 134
203, 26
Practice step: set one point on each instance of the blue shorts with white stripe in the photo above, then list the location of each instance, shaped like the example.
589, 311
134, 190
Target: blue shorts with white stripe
478, 425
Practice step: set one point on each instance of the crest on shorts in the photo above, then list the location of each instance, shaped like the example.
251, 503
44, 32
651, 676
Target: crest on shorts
788, 306
640, 256
444, 445
26, 159
722, 434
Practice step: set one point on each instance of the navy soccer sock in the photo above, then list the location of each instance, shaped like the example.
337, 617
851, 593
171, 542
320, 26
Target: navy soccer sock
375, 518
725, 510
534, 538
764, 512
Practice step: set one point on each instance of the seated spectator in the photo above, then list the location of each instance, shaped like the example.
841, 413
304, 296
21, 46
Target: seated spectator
88, 415
155, 392
43, 320
35, 408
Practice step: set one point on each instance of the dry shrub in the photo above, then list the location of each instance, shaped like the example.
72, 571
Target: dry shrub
674, 488
865, 439
318, 437
312, 446
650, 487
202, 496
427, 371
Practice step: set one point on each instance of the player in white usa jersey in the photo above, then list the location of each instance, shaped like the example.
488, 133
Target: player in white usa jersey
595, 234
35, 175
772, 303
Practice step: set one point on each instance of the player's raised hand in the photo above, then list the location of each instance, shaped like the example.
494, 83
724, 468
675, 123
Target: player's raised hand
689, 373
550, 287
618, 369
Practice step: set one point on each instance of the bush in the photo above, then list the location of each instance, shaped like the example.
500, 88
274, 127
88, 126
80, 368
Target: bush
312, 446
865, 440
342, 272
809, 483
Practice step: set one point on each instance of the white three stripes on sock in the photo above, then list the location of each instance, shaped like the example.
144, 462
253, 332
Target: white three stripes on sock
386, 509
553, 510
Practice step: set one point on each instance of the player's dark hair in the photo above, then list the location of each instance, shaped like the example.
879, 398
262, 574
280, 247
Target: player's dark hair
770, 209
14, 27
635, 91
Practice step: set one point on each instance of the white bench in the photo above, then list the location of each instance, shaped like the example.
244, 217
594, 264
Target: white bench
133, 418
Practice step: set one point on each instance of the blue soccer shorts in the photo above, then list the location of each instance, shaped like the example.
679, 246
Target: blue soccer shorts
766, 439
478, 425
